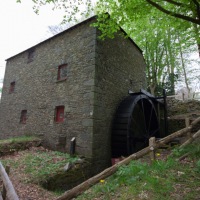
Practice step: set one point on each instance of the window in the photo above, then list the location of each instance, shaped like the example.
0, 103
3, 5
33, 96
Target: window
12, 87
59, 113
62, 72
31, 54
23, 117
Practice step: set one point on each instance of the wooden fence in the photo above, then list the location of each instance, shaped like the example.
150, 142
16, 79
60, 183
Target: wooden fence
8, 189
153, 145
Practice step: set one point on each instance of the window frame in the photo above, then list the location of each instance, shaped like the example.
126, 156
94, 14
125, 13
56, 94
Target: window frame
60, 67
58, 111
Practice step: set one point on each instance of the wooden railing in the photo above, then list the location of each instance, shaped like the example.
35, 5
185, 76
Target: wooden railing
8, 189
153, 145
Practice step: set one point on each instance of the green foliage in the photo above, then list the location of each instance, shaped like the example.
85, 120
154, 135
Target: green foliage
160, 38
18, 139
163, 30
41, 165
193, 149
198, 166
159, 180
71, 8
44, 164
137, 176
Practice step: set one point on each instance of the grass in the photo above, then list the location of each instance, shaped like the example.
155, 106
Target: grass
164, 180
36, 166
9, 146
18, 139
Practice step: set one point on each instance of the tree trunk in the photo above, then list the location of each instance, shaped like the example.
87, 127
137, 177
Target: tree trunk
184, 69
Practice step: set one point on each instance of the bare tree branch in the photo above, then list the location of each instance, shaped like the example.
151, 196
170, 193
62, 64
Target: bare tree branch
180, 16
198, 7
174, 2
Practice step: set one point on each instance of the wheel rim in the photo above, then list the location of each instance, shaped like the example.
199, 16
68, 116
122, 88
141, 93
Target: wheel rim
135, 122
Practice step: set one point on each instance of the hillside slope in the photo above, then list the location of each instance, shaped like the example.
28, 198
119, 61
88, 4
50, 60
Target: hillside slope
167, 178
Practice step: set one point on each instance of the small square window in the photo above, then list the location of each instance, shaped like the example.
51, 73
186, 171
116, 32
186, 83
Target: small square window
59, 113
23, 117
62, 72
12, 87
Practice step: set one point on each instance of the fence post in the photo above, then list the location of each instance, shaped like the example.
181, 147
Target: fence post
72, 146
187, 124
152, 144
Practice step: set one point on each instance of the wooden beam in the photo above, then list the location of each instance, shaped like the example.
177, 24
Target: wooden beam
4, 189
191, 139
10, 191
195, 122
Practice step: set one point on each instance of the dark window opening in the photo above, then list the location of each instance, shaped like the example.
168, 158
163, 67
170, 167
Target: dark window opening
59, 113
12, 87
31, 54
62, 72
23, 117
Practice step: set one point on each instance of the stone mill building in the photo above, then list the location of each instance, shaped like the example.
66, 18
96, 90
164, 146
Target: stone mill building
70, 86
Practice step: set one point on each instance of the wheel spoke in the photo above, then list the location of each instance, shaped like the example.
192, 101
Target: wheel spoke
144, 118
136, 122
150, 121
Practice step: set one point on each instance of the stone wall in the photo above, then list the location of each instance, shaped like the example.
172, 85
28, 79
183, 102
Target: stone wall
99, 75
119, 67
178, 111
38, 91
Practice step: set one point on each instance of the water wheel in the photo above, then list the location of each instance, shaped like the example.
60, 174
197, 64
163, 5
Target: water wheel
135, 122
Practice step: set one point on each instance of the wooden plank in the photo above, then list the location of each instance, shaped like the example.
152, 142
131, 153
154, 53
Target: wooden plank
11, 194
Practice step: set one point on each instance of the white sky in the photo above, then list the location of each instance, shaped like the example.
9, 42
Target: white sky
21, 28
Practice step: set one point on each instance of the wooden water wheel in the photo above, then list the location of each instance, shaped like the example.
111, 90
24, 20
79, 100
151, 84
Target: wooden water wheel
135, 122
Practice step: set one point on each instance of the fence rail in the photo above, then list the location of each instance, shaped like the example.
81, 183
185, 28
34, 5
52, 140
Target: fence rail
8, 189
153, 145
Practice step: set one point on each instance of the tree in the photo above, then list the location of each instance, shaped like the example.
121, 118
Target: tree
188, 10
186, 13
158, 26
160, 56
126, 11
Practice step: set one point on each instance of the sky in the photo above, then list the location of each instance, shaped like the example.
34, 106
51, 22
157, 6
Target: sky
21, 28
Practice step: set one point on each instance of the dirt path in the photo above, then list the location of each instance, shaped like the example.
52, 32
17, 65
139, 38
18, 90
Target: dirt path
25, 189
